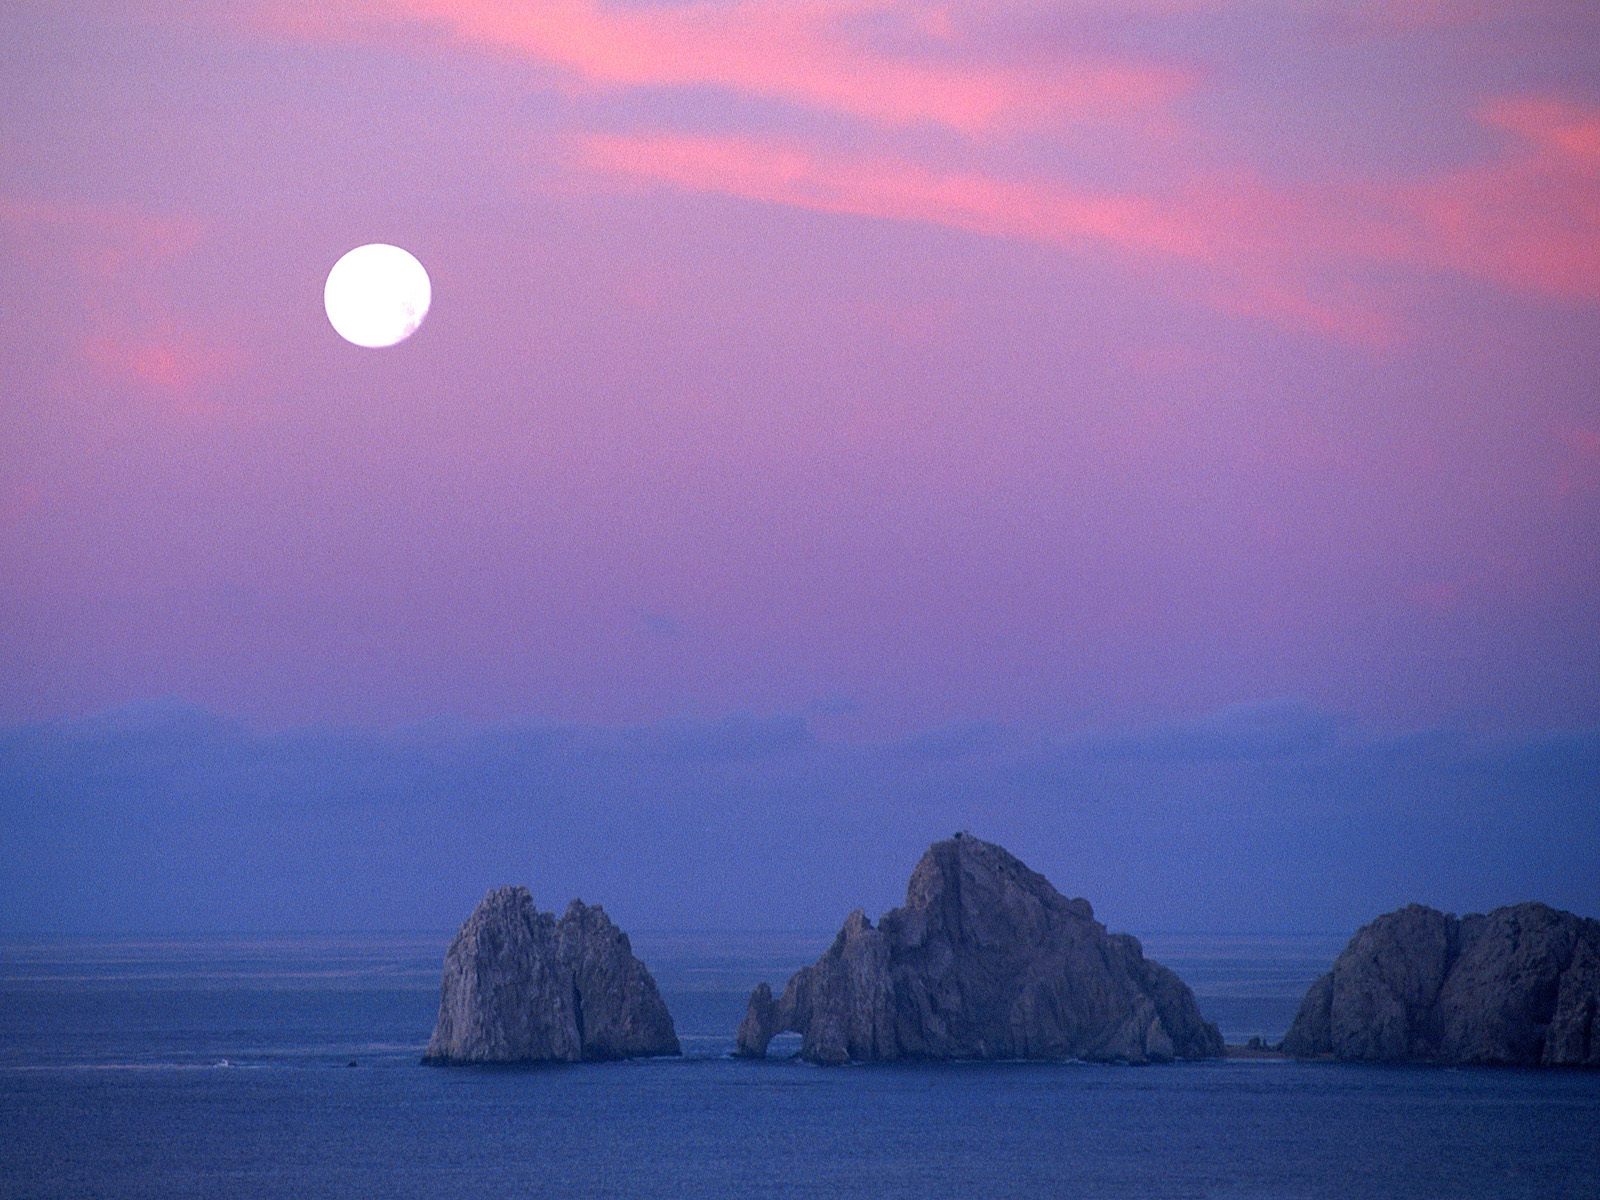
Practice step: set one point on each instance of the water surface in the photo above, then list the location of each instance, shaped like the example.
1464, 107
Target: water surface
217, 1067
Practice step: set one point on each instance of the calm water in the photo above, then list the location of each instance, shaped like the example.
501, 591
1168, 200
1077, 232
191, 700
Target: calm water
217, 1068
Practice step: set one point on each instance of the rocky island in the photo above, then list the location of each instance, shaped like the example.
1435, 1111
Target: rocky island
1518, 986
521, 986
986, 960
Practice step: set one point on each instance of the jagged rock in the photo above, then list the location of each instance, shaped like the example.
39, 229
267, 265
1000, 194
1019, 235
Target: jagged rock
985, 960
521, 986
1519, 986
760, 1024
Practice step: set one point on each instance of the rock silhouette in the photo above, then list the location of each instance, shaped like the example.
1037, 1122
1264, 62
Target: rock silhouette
1518, 986
521, 986
985, 960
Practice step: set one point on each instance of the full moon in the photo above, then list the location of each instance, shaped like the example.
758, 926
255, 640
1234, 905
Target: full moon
377, 295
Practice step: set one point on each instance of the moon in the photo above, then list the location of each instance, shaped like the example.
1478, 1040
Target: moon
377, 295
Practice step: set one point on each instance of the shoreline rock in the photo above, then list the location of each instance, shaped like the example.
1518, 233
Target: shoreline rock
1519, 986
521, 986
986, 960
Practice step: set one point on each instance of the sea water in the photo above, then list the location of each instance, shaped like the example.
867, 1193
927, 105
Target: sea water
219, 1067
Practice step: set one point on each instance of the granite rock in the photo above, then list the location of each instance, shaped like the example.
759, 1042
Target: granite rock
985, 960
1518, 986
521, 986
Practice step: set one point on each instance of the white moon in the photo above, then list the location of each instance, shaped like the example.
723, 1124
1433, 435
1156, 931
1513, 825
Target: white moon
377, 295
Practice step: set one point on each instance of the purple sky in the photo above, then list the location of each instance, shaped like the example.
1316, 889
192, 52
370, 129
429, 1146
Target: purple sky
1076, 371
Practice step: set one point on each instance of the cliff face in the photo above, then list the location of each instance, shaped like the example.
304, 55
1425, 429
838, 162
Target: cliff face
1519, 986
985, 960
521, 986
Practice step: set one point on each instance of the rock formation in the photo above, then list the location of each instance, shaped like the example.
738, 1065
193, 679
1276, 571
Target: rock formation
521, 986
1519, 986
986, 960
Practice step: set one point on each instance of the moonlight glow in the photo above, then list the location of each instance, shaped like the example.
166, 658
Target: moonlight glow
377, 295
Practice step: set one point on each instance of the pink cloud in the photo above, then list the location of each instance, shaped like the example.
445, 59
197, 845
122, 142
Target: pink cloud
1320, 256
1530, 220
179, 365
1567, 130
1263, 292
131, 337
1220, 231
813, 53
897, 189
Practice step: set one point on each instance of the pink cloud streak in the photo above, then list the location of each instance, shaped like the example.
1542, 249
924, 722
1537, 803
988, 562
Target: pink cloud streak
895, 190
1528, 221
811, 53
1212, 231
129, 337
179, 364
1318, 256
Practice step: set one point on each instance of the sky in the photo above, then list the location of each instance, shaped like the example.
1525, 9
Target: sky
1161, 435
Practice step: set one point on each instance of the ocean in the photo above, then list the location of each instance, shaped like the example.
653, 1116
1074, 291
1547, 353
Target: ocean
219, 1067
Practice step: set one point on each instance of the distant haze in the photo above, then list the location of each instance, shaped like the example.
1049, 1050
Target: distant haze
1271, 817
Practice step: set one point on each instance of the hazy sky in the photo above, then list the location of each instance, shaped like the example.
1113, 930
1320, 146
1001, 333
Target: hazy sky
1162, 432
